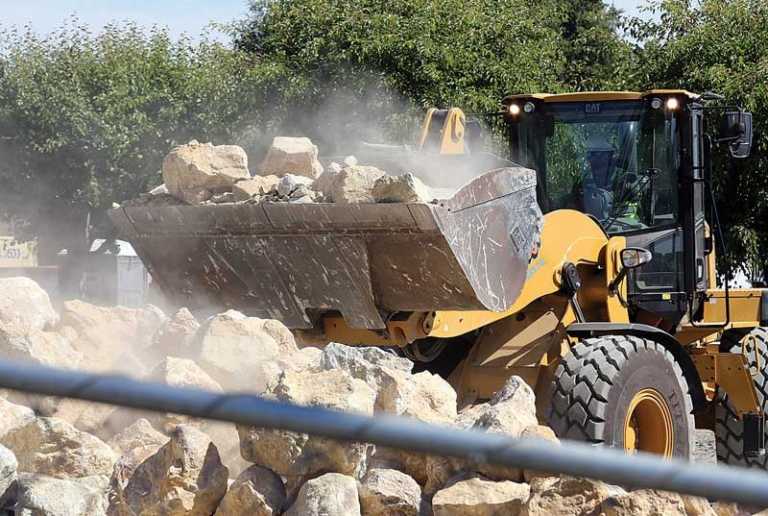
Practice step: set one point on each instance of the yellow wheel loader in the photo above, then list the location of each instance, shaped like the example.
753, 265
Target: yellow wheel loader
585, 264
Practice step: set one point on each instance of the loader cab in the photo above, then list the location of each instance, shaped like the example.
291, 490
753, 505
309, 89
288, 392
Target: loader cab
636, 163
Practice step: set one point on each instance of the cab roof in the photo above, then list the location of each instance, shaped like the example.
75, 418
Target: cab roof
597, 96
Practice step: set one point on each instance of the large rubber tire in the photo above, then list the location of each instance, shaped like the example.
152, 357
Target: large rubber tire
729, 430
597, 380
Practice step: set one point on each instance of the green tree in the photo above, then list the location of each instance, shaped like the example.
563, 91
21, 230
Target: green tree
720, 46
591, 45
85, 119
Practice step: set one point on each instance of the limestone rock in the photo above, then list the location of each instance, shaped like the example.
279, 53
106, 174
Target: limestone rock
176, 336
404, 188
254, 187
288, 185
139, 434
304, 359
328, 494
226, 439
538, 432
8, 468
234, 348
389, 492
361, 361
295, 454
121, 475
324, 182
511, 410
568, 496
291, 156
479, 497
107, 335
183, 372
50, 446
645, 501
195, 172
40, 347
25, 305
376, 367
257, 492
354, 185
39, 495
93, 418
178, 372
185, 477
728, 509
13, 417
428, 398
695, 506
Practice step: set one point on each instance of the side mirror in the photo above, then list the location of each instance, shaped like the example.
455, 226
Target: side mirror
633, 257
736, 130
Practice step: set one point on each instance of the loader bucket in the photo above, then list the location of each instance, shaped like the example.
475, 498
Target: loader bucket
294, 262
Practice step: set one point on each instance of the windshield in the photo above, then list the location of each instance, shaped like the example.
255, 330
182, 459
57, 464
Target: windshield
617, 161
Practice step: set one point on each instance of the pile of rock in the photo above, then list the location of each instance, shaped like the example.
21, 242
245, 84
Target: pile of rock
63, 457
291, 172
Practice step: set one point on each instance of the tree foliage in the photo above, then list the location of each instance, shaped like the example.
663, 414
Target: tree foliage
720, 46
85, 119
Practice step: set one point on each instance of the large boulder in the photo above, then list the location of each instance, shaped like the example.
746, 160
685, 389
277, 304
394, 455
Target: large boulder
177, 372
93, 418
13, 417
53, 447
183, 372
257, 491
296, 454
197, 171
510, 411
176, 336
480, 497
24, 304
236, 349
328, 494
121, 475
8, 467
185, 477
569, 496
37, 346
375, 366
109, 336
404, 188
137, 435
289, 155
543, 433
697, 506
353, 185
38, 495
645, 501
388, 492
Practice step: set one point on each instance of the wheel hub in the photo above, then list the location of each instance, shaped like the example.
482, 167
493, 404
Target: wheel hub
648, 424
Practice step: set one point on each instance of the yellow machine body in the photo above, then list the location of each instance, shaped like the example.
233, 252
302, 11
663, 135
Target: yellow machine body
529, 338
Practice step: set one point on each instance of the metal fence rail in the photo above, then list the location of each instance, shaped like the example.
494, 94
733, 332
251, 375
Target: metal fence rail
639, 471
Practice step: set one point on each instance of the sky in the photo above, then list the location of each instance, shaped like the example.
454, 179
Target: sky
180, 16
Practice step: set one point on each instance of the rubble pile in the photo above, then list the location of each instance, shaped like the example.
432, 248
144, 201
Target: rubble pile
198, 173
59, 457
